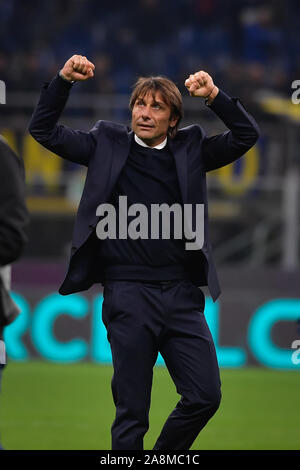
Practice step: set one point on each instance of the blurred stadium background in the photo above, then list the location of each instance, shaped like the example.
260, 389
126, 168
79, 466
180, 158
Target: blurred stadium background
56, 388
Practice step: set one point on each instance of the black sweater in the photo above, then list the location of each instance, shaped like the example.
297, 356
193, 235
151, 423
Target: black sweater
148, 177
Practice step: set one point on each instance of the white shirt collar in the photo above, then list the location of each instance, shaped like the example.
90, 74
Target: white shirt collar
142, 143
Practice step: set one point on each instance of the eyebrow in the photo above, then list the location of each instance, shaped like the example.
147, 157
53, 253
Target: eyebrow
141, 98
159, 102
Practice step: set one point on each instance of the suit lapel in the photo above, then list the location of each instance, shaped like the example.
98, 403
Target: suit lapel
178, 148
120, 152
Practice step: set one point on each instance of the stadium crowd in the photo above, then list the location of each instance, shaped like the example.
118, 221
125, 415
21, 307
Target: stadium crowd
246, 44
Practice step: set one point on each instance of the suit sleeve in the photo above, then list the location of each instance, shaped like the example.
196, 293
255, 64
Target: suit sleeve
74, 145
225, 148
14, 215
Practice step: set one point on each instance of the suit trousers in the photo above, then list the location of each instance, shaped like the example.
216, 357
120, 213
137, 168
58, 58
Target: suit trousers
143, 318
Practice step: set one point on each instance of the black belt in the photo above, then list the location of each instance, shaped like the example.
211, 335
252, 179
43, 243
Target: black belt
148, 281
170, 281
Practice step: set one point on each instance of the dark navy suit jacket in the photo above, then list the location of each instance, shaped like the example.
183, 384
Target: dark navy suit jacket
104, 150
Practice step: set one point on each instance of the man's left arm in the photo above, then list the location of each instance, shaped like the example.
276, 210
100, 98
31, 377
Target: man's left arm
222, 149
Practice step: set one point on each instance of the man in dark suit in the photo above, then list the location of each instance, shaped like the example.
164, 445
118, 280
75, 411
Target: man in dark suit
13, 233
152, 300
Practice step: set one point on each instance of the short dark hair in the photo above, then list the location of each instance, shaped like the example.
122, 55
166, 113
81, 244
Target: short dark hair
169, 92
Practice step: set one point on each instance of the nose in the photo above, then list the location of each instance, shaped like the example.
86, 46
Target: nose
146, 112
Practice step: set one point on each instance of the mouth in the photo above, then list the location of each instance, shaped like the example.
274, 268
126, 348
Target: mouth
145, 126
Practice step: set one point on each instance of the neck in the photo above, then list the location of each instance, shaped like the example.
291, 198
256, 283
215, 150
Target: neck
147, 143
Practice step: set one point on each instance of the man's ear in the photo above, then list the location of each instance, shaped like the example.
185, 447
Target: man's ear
173, 121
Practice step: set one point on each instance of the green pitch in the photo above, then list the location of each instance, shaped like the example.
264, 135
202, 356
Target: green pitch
52, 406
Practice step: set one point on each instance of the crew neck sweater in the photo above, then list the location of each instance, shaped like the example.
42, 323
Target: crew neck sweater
148, 177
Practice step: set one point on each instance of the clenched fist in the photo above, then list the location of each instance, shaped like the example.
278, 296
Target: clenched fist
77, 68
201, 84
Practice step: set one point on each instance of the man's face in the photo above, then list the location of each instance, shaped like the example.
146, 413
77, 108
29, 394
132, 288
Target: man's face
151, 118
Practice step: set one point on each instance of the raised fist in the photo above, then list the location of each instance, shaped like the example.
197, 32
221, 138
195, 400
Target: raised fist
78, 68
201, 84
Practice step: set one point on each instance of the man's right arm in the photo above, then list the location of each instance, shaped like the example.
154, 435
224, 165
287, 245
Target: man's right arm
73, 145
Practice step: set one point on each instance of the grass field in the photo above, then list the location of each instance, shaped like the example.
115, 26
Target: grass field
51, 406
